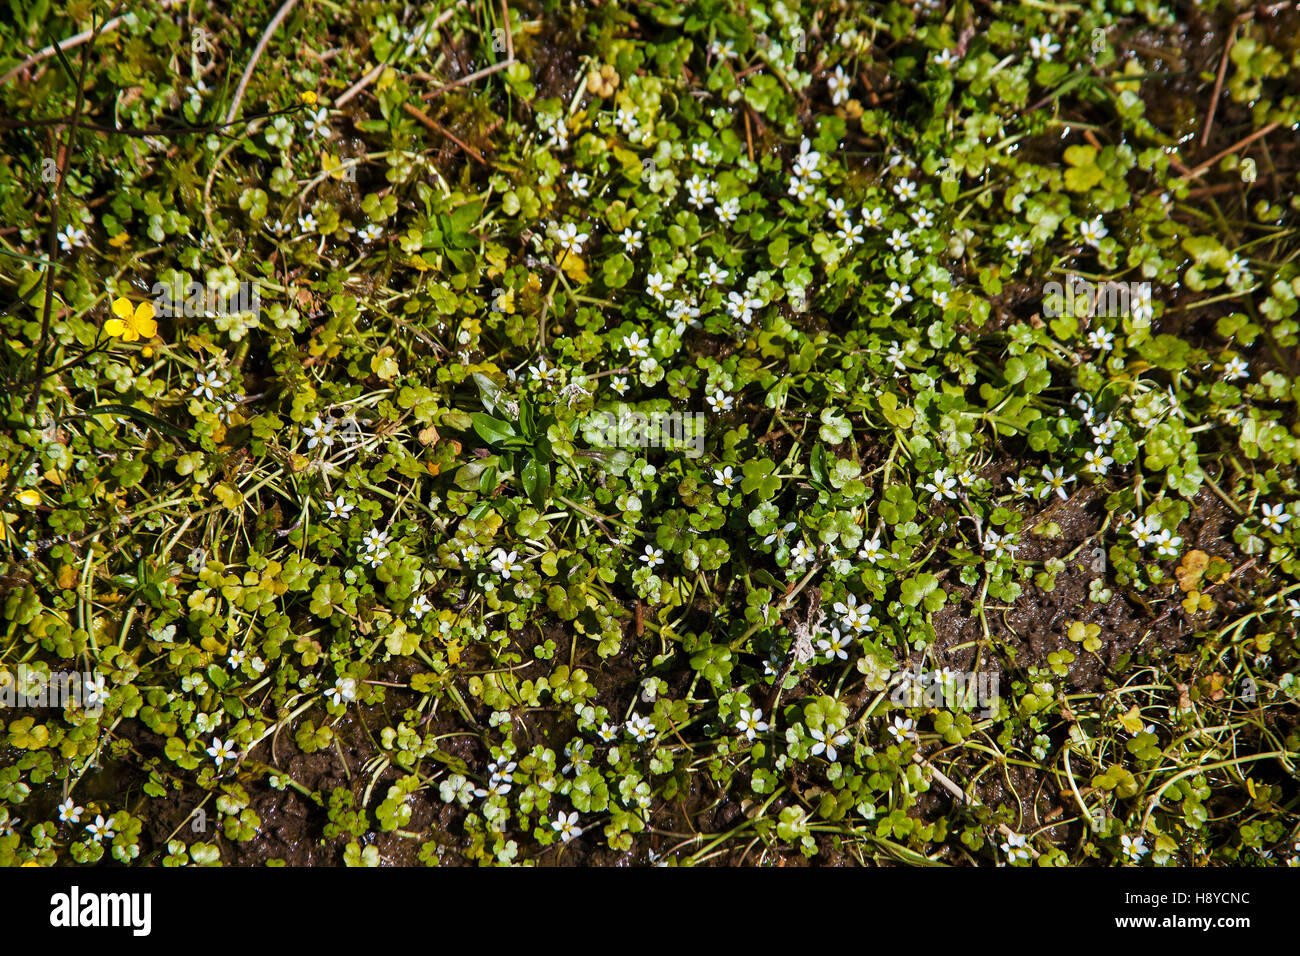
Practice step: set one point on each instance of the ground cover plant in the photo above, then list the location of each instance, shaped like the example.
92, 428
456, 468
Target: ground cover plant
340, 346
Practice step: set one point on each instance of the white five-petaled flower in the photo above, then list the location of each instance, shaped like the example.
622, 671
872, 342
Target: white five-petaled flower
221, 751
653, 556
344, 689
570, 239
1056, 481
630, 239
898, 293
905, 190
636, 346
941, 486
235, 659
1092, 231
506, 563
838, 84
836, 645
903, 728
641, 728
69, 812
207, 385
340, 507
100, 829
1274, 516
1235, 368
802, 553
320, 433
71, 237
1019, 246
1042, 47
751, 723
1133, 848
1097, 461
724, 477
1101, 339
567, 826
827, 741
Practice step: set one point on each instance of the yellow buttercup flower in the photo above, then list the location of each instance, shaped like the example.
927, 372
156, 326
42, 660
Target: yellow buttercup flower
308, 97
131, 323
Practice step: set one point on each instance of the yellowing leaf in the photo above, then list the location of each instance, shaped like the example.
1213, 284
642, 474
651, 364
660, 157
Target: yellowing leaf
1190, 569
1132, 721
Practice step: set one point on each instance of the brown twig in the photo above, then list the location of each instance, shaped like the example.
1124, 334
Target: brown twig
271, 27
427, 121
1223, 69
1242, 144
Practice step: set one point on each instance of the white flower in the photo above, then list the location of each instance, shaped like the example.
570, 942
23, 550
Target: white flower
235, 659
898, 240
897, 293
827, 741
751, 723
729, 210
1097, 461
307, 222
724, 477
1274, 517
636, 346
837, 645
941, 486
1092, 231
71, 237
653, 556
1015, 847
631, 239
344, 689
69, 812
657, 285
699, 192
1101, 339
567, 826
570, 239
1145, 531
1167, 544
420, 607
719, 401
339, 507
578, 185
1134, 849
319, 433
221, 751
506, 563
370, 233
100, 829
802, 554
207, 385
838, 84
1042, 47
873, 217
1019, 246
999, 543
317, 122
944, 58
905, 190
1056, 481
641, 728
1235, 368
903, 728
701, 153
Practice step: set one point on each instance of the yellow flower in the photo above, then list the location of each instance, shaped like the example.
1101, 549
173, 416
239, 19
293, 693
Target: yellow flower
131, 324
308, 97
118, 241
29, 496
